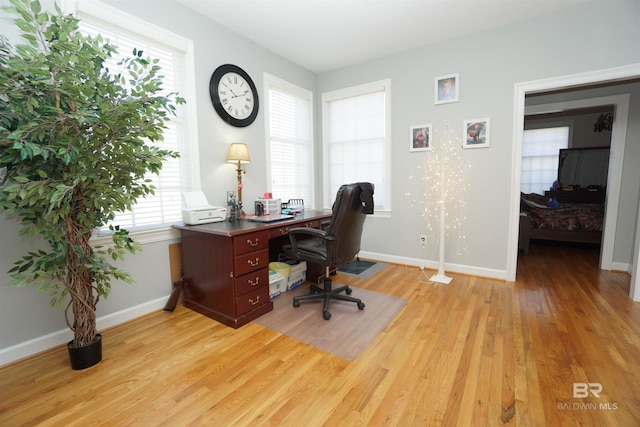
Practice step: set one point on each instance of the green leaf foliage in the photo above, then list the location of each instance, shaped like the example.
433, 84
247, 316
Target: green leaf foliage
75, 145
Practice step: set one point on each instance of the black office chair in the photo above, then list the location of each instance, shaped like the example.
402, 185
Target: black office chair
337, 243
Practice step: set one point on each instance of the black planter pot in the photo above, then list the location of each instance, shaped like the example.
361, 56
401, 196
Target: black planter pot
87, 356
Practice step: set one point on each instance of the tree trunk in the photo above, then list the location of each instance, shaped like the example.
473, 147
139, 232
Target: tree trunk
79, 283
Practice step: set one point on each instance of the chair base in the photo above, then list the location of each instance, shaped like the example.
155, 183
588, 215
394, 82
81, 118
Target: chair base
326, 295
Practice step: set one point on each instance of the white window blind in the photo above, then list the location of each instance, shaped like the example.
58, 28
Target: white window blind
164, 207
290, 142
540, 151
357, 143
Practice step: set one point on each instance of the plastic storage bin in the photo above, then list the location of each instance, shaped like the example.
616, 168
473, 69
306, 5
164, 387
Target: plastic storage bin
271, 206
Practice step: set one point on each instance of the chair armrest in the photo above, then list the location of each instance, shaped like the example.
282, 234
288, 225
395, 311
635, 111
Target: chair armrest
308, 232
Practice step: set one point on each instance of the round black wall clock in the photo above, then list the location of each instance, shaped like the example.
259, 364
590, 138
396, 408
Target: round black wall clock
234, 96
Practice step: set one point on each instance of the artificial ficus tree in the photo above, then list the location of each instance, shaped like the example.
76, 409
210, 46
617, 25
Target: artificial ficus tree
76, 145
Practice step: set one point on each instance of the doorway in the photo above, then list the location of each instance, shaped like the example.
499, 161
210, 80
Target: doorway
618, 140
621, 105
556, 133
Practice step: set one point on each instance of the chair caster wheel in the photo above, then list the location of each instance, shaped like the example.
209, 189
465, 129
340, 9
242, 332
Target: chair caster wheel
326, 315
296, 303
360, 306
348, 291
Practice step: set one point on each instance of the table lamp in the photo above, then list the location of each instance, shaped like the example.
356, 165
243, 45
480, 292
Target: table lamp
239, 153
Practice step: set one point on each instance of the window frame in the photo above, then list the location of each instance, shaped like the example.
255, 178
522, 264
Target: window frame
270, 82
100, 12
349, 92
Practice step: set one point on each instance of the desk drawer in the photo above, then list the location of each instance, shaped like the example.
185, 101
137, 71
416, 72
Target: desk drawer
252, 300
251, 242
252, 261
252, 281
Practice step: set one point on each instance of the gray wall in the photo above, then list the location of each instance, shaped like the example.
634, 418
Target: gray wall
571, 41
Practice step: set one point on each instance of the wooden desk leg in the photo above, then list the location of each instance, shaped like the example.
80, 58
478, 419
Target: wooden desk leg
175, 295
177, 276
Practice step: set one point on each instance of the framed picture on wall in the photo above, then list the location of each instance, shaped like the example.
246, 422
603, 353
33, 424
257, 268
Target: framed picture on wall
420, 138
446, 89
475, 133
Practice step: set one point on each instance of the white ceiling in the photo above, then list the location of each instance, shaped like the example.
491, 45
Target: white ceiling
323, 35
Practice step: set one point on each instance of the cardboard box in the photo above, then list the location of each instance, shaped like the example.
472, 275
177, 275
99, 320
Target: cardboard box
277, 284
298, 275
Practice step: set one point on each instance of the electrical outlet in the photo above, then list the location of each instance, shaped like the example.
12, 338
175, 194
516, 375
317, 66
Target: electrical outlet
423, 240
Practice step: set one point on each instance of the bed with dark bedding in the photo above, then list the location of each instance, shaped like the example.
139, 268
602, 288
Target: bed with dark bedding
567, 222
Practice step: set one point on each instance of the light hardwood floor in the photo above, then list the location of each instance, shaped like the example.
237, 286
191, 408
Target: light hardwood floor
472, 353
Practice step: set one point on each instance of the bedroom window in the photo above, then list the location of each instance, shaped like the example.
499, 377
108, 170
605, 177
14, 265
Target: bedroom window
157, 211
289, 130
540, 151
356, 140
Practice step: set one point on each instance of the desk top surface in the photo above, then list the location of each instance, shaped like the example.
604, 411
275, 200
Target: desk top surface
230, 229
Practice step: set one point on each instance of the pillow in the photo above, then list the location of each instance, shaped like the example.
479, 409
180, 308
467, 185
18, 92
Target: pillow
535, 201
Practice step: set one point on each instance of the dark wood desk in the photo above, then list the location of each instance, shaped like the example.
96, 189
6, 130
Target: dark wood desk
226, 265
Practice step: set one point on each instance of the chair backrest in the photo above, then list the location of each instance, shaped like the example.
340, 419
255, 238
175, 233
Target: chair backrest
347, 220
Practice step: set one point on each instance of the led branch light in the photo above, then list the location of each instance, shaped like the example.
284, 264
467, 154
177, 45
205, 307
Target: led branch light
440, 196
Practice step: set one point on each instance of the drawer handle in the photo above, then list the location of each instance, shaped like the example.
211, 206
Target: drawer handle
284, 231
250, 243
256, 301
252, 283
252, 264
308, 224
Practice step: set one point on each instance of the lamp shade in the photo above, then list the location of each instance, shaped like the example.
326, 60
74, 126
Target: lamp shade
238, 152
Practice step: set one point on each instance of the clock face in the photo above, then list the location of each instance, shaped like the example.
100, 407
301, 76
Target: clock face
234, 95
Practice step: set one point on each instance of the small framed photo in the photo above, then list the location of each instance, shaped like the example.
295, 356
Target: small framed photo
446, 89
420, 138
475, 133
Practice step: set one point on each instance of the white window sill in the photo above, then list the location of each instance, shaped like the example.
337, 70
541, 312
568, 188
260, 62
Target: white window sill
142, 237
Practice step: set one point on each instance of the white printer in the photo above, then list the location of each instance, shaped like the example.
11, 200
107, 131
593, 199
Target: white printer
198, 211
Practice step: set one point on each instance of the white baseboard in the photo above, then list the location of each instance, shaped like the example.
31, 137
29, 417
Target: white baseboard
433, 265
459, 268
621, 266
54, 339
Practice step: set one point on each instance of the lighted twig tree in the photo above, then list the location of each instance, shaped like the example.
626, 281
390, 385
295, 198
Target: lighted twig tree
439, 194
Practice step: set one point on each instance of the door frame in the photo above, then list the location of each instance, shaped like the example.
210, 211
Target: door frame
618, 138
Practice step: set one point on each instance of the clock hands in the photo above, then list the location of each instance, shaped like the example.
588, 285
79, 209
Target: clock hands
228, 86
238, 96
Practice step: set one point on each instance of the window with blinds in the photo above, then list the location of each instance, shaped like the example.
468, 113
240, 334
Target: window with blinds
164, 207
540, 152
290, 141
356, 140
